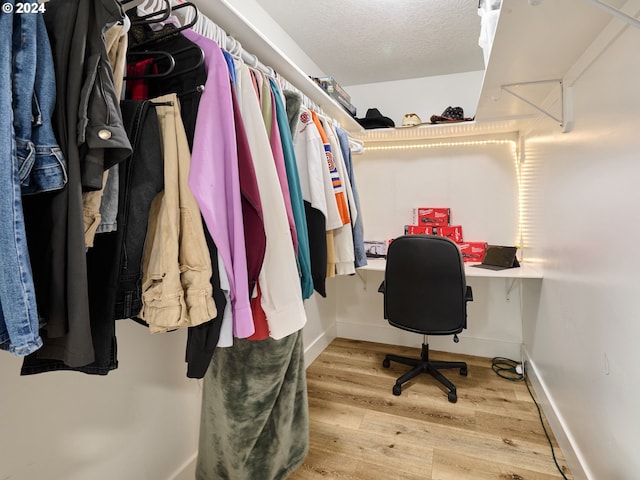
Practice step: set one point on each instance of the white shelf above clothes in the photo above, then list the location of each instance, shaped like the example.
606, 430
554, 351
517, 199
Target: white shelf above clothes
534, 50
236, 25
537, 52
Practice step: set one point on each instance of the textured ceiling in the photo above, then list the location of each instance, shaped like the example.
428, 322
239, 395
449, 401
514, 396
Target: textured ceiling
368, 41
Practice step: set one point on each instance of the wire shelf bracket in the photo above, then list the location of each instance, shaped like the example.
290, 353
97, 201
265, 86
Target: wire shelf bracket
560, 120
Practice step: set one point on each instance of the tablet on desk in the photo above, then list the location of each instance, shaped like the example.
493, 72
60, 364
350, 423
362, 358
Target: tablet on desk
498, 257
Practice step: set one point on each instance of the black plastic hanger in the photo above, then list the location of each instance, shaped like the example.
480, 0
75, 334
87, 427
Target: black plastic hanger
170, 33
195, 66
154, 55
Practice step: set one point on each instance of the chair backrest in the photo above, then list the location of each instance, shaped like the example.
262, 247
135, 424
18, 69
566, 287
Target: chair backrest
425, 285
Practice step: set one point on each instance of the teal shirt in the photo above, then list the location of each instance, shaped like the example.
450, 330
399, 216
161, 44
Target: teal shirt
295, 192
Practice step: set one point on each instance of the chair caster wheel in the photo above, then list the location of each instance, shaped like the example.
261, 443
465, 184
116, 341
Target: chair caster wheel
386, 362
463, 371
397, 390
453, 398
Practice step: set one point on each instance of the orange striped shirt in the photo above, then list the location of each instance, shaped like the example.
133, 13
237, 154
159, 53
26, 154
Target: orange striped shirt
338, 187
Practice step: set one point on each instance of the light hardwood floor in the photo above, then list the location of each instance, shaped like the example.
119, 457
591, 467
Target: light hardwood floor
360, 430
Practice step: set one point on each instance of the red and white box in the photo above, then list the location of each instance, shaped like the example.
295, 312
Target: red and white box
419, 230
473, 251
436, 217
453, 232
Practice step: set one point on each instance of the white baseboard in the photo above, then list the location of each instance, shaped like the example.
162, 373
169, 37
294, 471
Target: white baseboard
556, 422
394, 336
317, 345
187, 470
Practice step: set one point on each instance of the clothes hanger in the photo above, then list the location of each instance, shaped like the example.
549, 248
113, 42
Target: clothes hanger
153, 54
149, 6
252, 61
188, 16
157, 40
271, 73
233, 47
195, 66
173, 31
215, 32
356, 145
150, 18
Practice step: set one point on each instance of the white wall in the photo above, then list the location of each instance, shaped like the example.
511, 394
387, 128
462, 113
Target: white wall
140, 422
479, 184
424, 96
584, 203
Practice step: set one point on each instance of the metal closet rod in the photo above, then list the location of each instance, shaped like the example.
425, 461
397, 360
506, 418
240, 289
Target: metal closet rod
616, 13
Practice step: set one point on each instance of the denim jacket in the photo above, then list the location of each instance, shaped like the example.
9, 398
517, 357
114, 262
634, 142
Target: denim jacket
19, 322
42, 167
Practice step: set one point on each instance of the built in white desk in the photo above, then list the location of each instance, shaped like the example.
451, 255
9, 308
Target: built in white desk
524, 271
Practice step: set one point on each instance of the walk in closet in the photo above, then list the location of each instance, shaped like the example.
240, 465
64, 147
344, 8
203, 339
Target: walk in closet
549, 163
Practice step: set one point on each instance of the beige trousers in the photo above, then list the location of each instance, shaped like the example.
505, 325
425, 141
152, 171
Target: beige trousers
176, 286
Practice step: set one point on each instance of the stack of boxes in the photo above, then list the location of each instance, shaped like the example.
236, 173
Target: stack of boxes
437, 221
335, 91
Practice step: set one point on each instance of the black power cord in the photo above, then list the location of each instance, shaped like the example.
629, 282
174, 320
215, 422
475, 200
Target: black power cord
507, 369
512, 371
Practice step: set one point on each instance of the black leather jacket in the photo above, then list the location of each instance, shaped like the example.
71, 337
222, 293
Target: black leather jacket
100, 128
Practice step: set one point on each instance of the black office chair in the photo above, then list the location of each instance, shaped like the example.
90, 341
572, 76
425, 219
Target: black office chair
425, 292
